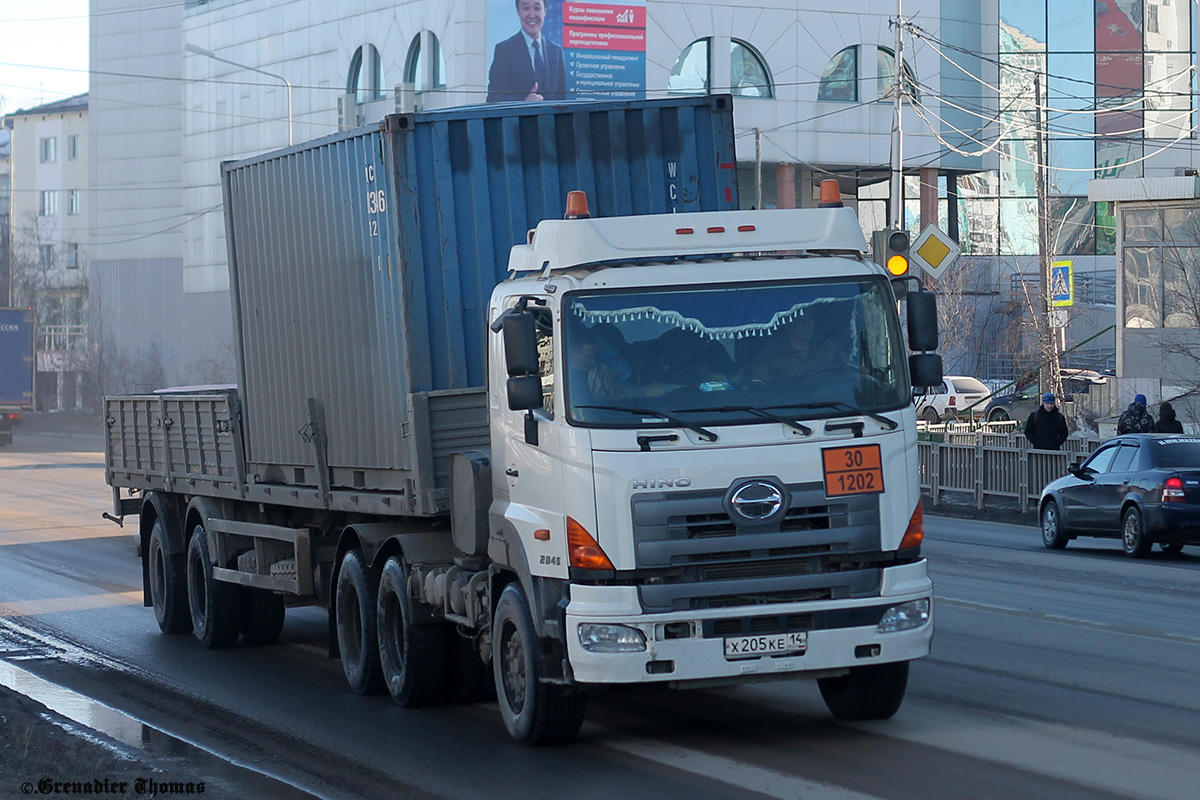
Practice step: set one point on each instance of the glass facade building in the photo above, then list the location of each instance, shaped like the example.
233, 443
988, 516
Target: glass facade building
1116, 82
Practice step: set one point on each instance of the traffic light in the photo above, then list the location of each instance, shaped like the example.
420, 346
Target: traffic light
890, 249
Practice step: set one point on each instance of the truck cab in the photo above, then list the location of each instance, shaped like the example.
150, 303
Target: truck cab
704, 455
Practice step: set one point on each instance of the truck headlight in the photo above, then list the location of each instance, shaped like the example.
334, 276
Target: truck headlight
597, 638
904, 617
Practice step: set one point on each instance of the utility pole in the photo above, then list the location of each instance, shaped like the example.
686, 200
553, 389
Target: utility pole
1048, 377
757, 168
896, 206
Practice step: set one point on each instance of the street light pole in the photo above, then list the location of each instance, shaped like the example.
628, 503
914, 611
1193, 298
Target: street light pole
897, 187
192, 48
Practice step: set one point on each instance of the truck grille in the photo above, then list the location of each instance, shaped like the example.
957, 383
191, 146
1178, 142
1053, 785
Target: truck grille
712, 560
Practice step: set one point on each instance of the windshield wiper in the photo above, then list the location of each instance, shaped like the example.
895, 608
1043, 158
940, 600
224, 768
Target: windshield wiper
755, 410
691, 426
891, 424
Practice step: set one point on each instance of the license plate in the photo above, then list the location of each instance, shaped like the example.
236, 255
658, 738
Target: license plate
777, 644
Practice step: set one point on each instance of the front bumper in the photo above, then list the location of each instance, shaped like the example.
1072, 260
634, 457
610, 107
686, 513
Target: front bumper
837, 639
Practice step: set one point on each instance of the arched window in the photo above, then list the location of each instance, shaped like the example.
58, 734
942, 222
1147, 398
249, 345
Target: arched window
748, 75
885, 71
690, 73
839, 81
414, 64
365, 80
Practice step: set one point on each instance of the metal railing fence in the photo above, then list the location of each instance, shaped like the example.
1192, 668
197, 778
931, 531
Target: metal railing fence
992, 462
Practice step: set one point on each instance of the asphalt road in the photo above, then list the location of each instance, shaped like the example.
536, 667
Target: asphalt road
1060, 675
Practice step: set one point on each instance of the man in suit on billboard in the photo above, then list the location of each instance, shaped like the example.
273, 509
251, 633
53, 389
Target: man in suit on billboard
528, 66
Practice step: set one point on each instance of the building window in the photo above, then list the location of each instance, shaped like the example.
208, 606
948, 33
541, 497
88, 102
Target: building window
414, 65
748, 75
690, 73
839, 81
72, 256
46, 255
365, 80
48, 203
48, 149
72, 147
72, 201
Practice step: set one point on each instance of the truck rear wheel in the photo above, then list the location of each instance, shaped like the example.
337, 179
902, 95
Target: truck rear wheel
214, 605
415, 658
534, 712
262, 616
168, 584
874, 691
357, 587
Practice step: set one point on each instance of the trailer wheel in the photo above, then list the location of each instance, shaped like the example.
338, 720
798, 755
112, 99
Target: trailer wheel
534, 712
168, 584
873, 691
357, 587
214, 604
415, 658
262, 616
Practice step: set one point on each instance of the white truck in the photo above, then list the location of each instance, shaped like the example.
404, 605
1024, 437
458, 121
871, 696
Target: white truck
692, 463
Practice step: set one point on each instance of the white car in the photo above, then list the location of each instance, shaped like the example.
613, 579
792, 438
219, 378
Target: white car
952, 398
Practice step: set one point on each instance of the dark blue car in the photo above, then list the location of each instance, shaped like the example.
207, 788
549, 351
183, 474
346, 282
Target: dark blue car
1142, 488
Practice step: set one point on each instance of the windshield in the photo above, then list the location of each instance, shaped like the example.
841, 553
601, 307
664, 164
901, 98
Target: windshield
723, 354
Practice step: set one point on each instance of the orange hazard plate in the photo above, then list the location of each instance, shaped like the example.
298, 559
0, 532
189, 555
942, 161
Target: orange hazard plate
853, 470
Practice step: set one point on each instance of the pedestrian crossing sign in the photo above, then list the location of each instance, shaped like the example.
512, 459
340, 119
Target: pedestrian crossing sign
1062, 284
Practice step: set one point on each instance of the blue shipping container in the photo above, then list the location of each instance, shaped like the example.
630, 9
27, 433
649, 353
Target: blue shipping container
16, 358
361, 263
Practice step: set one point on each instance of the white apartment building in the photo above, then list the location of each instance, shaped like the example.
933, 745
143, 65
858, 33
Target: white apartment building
49, 238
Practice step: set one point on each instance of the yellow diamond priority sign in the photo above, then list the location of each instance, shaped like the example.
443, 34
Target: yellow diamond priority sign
934, 251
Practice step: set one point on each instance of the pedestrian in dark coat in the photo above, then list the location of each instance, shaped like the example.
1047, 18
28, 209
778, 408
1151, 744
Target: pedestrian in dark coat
1046, 428
1167, 423
1136, 419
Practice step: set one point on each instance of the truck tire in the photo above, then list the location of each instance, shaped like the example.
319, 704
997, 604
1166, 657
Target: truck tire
262, 616
416, 659
354, 601
168, 584
874, 691
534, 712
214, 605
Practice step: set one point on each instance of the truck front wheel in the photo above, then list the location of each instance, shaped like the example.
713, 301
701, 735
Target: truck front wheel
534, 712
874, 691
214, 605
168, 584
415, 658
357, 587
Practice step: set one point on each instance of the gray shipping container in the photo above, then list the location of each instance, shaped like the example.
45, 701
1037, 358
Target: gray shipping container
361, 265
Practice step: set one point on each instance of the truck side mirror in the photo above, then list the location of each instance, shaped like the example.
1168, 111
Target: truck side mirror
524, 393
925, 369
922, 321
520, 344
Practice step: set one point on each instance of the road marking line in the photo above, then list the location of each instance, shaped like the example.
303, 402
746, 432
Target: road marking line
1107, 627
746, 777
1079, 756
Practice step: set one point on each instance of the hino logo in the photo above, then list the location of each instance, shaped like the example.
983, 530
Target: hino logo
756, 501
661, 483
